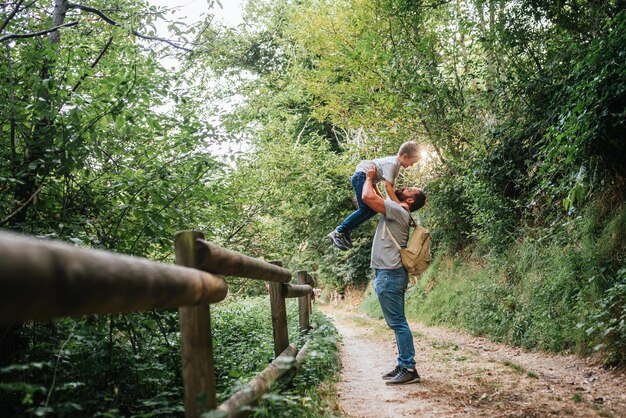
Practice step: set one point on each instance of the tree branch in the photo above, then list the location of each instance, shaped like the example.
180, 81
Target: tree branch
35, 34
301, 132
12, 110
250, 215
11, 15
114, 23
102, 52
22, 206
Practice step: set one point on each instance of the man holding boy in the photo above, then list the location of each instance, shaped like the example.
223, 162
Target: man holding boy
387, 170
391, 278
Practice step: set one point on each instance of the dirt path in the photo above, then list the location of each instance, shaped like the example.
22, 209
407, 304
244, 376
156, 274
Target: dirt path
467, 376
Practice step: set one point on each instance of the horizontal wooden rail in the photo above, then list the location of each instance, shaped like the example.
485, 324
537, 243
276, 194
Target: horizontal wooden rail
302, 354
218, 260
45, 279
260, 384
296, 290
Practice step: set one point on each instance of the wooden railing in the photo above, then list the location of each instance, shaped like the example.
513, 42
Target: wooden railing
45, 279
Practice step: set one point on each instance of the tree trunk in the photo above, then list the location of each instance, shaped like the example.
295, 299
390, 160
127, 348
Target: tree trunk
43, 127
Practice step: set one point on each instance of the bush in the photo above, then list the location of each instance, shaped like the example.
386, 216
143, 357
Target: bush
607, 326
133, 368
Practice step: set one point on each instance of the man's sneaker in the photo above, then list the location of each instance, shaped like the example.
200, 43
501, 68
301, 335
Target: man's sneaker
392, 373
339, 240
404, 377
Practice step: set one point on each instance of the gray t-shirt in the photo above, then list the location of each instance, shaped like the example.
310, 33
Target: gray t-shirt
387, 168
385, 254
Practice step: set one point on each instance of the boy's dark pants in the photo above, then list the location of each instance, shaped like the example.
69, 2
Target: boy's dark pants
363, 213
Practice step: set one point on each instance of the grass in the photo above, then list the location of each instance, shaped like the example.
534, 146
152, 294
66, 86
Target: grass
516, 367
417, 334
358, 320
487, 384
444, 345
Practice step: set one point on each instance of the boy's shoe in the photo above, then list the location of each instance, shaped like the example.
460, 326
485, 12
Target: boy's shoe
392, 373
339, 240
404, 377
347, 239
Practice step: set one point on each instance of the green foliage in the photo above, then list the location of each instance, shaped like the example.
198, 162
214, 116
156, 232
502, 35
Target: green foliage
584, 137
89, 158
370, 303
130, 365
452, 224
234, 325
302, 396
118, 366
243, 347
352, 268
607, 325
494, 87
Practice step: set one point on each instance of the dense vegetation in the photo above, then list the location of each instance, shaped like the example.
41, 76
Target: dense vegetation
130, 365
520, 106
103, 147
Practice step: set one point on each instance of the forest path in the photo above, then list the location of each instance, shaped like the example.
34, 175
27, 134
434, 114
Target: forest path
468, 376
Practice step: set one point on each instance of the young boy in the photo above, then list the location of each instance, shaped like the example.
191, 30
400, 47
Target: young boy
387, 170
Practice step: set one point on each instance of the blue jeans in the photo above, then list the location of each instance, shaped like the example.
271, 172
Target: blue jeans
390, 286
363, 213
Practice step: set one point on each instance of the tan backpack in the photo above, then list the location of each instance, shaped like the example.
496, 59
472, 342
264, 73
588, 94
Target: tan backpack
416, 256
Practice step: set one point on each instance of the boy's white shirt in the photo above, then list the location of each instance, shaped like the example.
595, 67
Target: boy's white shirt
387, 168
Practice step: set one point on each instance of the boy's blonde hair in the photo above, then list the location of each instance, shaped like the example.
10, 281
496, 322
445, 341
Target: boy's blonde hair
410, 148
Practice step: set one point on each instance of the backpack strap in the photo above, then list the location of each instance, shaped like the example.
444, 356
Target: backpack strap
387, 231
412, 222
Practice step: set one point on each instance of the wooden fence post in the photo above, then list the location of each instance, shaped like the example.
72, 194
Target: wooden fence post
303, 304
279, 315
195, 335
311, 282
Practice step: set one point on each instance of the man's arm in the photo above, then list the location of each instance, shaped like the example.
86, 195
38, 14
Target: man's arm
378, 191
371, 199
390, 192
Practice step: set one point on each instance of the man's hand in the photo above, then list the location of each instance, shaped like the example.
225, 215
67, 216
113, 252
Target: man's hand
391, 192
370, 197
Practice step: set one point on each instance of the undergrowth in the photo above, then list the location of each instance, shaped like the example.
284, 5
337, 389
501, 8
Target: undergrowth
129, 365
245, 347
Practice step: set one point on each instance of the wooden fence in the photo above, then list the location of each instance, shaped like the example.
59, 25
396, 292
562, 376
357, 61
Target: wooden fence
46, 279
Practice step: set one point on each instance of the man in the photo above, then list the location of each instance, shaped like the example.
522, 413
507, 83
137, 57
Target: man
391, 278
